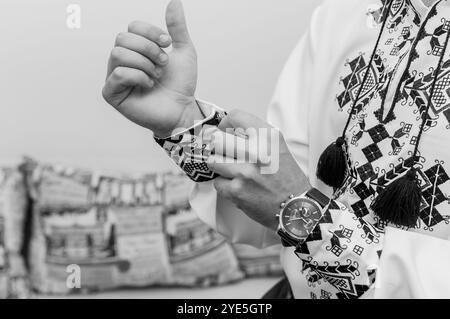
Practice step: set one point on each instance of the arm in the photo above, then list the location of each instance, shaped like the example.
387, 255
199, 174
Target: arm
191, 149
156, 90
288, 110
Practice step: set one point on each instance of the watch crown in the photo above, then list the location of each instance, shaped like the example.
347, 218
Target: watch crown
282, 205
277, 215
291, 196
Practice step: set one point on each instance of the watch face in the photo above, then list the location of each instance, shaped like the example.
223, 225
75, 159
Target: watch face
299, 217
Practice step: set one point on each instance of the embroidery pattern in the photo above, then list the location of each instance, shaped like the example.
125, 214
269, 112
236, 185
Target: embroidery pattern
332, 254
389, 144
191, 150
381, 141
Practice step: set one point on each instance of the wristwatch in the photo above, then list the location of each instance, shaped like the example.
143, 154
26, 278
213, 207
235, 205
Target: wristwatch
300, 215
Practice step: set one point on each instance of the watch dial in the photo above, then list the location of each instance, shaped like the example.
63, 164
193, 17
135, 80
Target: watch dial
299, 217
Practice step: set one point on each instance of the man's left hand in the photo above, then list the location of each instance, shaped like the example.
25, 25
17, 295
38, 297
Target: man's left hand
242, 155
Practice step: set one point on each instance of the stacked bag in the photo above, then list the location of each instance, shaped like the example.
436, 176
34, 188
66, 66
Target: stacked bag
13, 211
256, 262
89, 231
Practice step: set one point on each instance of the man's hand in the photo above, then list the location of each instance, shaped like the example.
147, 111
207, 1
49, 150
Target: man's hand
257, 195
148, 86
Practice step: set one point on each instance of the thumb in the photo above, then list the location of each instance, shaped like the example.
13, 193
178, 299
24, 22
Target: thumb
176, 24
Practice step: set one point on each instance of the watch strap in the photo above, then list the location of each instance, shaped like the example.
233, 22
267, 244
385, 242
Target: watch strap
286, 240
318, 196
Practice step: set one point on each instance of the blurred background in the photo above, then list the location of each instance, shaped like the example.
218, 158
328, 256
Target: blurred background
52, 76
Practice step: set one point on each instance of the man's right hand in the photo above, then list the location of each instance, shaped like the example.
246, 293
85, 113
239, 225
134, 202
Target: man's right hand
148, 86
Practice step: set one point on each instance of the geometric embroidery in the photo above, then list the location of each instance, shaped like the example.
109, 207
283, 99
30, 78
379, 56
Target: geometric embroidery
360, 209
406, 37
365, 171
341, 277
363, 191
189, 151
370, 232
419, 89
378, 133
429, 180
325, 294
336, 247
398, 8
432, 195
367, 175
372, 152
395, 172
358, 250
438, 38
352, 82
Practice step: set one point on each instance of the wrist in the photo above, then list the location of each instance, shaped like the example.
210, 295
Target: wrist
190, 115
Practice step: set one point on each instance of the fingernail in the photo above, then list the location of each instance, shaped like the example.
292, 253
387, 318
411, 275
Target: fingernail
164, 38
163, 58
265, 160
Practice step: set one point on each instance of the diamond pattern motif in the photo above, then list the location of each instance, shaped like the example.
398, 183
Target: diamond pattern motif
365, 171
372, 152
378, 133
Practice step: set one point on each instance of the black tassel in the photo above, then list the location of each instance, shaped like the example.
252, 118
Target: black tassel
332, 166
399, 202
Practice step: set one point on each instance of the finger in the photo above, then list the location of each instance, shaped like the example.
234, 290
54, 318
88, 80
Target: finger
123, 78
131, 59
258, 132
229, 145
229, 168
143, 46
176, 24
249, 149
150, 32
223, 186
232, 189
242, 121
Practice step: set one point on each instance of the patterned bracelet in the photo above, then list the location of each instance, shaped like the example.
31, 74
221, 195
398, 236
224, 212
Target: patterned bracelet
191, 148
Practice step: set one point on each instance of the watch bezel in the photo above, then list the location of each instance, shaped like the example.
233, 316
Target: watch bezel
280, 217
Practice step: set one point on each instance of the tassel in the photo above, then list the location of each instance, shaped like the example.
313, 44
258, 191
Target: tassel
399, 202
332, 166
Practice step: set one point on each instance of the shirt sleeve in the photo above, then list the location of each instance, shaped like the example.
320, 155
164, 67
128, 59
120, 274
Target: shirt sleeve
343, 250
362, 261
